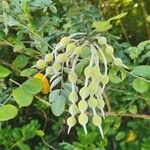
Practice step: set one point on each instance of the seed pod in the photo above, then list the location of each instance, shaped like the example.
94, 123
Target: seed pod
105, 79
92, 88
78, 50
109, 50
92, 102
65, 41
72, 77
56, 67
84, 92
95, 72
73, 97
71, 121
82, 105
70, 47
49, 70
61, 58
83, 120
117, 61
73, 109
87, 71
49, 57
102, 40
100, 103
41, 64
97, 121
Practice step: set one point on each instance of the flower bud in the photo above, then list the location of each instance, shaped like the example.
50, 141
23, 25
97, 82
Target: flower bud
105, 79
65, 41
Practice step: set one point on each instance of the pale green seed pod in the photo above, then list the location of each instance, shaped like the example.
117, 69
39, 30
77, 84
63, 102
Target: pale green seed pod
100, 104
78, 50
73, 109
118, 62
40, 64
61, 58
87, 71
73, 97
72, 77
83, 120
92, 102
65, 41
82, 105
102, 40
56, 67
49, 57
71, 121
49, 70
92, 88
95, 72
70, 47
84, 92
97, 121
109, 50
105, 79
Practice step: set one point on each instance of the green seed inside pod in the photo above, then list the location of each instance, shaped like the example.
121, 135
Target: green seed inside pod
82, 105
87, 71
73, 109
95, 72
70, 47
109, 50
102, 41
56, 67
41, 64
92, 102
73, 97
83, 119
97, 121
117, 61
84, 92
49, 70
92, 88
49, 57
71, 121
72, 77
78, 50
65, 41
100, 103
61, 58
105, 79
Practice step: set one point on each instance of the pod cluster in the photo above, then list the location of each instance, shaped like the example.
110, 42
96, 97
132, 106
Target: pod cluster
89, 97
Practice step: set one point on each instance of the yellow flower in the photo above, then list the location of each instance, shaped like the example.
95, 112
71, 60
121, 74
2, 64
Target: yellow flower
46, 86
131, 136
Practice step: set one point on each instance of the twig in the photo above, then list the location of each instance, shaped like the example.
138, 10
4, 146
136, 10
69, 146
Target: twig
107, 101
